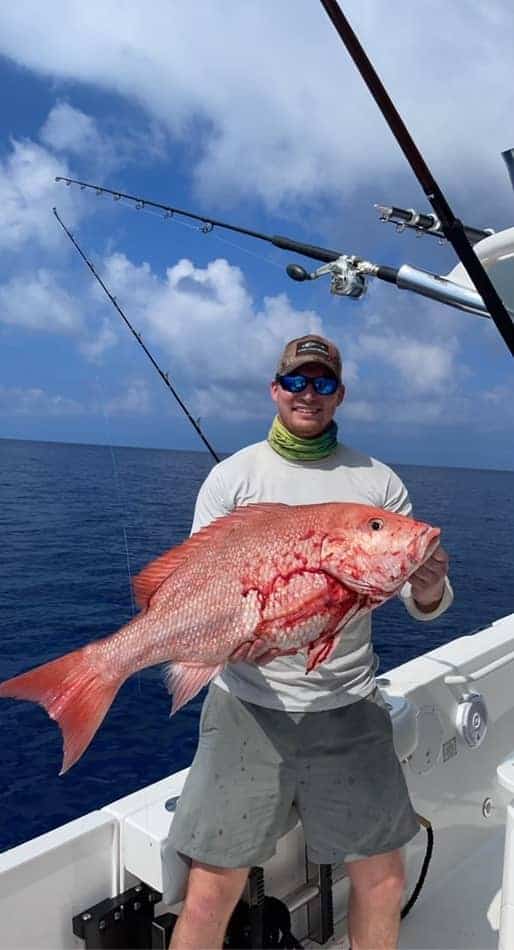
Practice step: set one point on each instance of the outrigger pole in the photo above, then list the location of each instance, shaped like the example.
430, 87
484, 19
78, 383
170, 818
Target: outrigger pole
453, 229
164, 376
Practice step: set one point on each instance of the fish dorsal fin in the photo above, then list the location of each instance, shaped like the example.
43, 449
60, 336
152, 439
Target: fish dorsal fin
154, 574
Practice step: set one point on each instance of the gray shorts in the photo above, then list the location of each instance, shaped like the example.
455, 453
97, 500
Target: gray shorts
337, 767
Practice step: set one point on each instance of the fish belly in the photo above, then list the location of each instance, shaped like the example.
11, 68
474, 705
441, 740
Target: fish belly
305, 608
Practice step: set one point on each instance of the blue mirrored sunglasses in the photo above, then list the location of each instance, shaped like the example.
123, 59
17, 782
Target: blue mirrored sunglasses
297, 382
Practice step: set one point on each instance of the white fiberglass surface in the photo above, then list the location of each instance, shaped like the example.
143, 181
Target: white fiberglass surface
496, 254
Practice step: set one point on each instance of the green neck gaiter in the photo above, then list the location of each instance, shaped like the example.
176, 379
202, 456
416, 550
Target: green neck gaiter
302, 450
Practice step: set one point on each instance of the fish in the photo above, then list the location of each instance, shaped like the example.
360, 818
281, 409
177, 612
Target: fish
290, 576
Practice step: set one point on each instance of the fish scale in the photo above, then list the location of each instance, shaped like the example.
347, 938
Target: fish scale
266, 576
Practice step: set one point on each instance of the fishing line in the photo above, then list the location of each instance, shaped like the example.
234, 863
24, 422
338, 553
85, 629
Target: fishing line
164, 376
119, 492
198, 229
140, 206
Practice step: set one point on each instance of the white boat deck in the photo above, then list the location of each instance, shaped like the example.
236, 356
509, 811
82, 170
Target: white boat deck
463, 909
459, 912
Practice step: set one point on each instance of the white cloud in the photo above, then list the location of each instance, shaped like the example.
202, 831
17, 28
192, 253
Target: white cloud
204, 319
17, 401
101, 149
134, 399
69, 130
37, 302
277, 104
424, 367
28, 192
94, 348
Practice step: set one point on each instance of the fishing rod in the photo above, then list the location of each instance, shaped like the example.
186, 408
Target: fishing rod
348, 273
164, 376
452, 227
208, 223
426, 223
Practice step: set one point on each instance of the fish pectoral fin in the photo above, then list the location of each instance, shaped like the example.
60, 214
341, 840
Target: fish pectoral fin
321, 650
185, 680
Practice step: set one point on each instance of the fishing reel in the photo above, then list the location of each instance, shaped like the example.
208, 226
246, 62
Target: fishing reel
347, 275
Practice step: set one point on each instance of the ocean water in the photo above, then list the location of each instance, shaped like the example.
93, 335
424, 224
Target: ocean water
77, 520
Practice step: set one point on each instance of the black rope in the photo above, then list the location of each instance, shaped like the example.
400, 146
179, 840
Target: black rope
453, 228
424, 868
163, 375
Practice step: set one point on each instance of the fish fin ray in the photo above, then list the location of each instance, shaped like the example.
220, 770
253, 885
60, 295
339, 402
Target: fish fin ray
154, 574
185, 680
150, 579
73, 693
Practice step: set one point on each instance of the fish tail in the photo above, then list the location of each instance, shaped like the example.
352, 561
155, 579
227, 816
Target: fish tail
74, 694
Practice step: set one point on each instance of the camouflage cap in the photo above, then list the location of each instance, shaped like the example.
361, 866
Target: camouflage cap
310, 349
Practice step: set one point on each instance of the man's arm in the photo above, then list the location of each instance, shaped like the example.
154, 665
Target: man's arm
211, 502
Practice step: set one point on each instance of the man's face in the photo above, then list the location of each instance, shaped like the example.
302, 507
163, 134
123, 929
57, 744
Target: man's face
307, 414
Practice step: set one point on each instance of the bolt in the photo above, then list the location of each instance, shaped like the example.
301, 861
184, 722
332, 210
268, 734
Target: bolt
86, 916
137, 905
102, 925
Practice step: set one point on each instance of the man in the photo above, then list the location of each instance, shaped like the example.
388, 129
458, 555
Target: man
269, 734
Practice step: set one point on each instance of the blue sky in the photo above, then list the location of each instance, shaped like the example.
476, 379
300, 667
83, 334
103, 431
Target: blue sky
258, 117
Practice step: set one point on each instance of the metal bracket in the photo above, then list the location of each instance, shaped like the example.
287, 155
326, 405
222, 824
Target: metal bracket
254, 895
123, 922
320, 909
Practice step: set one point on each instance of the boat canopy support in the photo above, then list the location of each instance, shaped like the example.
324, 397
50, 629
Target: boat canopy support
452, 227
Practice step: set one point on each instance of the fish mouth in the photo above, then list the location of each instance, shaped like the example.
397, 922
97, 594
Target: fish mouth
423, 547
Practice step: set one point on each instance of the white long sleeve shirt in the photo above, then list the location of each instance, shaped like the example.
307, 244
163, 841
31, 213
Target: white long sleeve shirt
258, 473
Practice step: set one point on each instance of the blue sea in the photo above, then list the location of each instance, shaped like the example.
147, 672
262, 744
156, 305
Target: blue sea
77, 520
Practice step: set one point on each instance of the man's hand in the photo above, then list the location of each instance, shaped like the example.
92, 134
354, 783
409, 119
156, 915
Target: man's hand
428, 581
258, 651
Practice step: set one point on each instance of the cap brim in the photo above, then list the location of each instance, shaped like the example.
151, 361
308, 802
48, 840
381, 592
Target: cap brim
312, 358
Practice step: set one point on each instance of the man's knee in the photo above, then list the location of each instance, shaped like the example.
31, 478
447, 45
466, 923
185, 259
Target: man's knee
380, 878
212, 893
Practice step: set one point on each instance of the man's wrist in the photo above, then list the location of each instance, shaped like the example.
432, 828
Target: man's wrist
428, 608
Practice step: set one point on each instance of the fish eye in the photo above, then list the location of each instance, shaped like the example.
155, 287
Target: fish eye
376, 524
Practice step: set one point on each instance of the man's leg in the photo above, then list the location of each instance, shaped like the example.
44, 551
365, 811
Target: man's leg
377, 887
212, 894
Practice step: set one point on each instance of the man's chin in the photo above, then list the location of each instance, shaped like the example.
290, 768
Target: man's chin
306, 428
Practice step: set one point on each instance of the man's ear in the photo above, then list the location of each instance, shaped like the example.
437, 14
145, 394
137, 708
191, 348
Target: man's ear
341, 395
273, 388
